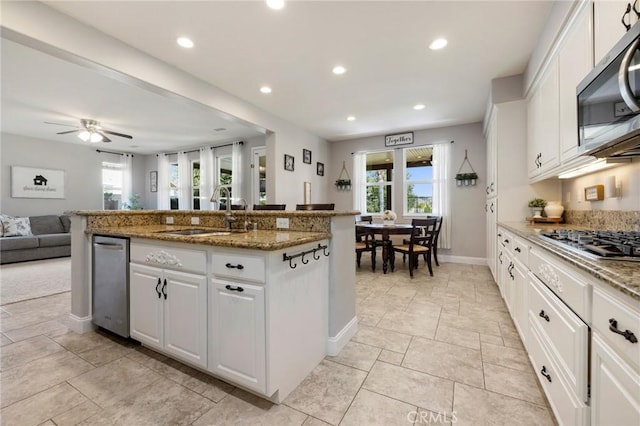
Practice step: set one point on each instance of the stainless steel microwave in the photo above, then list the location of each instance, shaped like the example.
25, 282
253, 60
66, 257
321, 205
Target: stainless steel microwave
609, 102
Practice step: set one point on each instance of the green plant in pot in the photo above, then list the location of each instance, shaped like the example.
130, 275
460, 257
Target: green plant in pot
536, 205
343, 184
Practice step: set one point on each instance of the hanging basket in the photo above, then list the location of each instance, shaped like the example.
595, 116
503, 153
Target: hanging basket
466, 179
344, 180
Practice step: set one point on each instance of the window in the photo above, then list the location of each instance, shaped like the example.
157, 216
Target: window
173, 186
418, 180
225, 176
195, 188
112, 180
379, 181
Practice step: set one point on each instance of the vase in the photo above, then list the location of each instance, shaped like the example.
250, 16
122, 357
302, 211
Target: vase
536, 211
387, 222
554, 209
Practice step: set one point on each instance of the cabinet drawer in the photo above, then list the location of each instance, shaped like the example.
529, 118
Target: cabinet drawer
568, 408
566, 334
238, 266
169, 257
566, 282
605, 307
520, 250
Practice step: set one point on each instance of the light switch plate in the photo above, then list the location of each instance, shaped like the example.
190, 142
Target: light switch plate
195, 221
169, 220
282, 222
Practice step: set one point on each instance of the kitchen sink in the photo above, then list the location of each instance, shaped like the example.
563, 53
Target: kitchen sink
203, 232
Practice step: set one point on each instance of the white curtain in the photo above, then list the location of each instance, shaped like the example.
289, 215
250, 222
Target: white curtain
441, 183
359, 181
163, 183
184, 181
126, 160
236, 167
207, 176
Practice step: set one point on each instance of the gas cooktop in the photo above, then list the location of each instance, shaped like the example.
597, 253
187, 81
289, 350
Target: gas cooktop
610, 245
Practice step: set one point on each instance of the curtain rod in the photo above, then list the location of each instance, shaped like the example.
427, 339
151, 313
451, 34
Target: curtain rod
111, 152
211, 147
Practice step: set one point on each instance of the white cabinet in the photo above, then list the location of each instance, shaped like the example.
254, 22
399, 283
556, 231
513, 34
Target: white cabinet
168, 308
543, 124
615, 387
575, 60
237, 333
491, 208
607, 25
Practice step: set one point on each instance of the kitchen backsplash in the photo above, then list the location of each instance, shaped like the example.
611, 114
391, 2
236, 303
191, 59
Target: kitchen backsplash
617, 220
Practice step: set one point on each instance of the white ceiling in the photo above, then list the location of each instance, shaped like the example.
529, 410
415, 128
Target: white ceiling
242, 45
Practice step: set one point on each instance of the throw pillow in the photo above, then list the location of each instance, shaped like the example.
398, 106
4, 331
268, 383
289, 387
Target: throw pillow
16, 226
3, 217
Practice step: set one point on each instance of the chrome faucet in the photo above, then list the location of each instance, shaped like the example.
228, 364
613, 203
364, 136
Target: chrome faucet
228, 216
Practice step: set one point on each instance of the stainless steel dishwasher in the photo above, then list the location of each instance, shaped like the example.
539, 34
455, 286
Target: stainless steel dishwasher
110, 284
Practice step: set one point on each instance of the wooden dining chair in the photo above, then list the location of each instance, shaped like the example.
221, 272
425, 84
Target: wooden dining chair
435, 240
327, 206
269, 206
421, 242
365, 242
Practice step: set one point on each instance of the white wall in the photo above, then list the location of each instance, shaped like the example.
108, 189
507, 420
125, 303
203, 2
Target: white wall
83, 174
467, 203
38, 26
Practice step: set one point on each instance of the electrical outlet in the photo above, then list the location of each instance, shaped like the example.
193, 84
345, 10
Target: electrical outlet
195, 221
169, 220
282, 222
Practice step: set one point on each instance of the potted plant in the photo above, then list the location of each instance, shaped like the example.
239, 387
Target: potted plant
343, 184
536, 205
466, 179
388, 217
460, 179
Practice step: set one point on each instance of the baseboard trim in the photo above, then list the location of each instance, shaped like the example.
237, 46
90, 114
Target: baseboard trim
80, 325
464, 259
336, 343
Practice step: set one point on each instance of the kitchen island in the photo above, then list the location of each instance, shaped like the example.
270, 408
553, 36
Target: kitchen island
259, 309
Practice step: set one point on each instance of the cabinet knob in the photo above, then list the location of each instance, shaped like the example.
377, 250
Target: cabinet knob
543, 315
517, 249
238, 266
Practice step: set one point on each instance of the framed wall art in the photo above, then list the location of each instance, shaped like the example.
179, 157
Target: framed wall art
320, 169
306, 156
288, 162
399, 139
36, 182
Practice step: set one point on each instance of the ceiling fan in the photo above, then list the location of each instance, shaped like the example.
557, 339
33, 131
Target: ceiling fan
91, 131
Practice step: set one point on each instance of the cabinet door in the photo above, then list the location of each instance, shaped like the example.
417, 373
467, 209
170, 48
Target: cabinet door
575, 60
146, 307
237, 333
533, 133
520, 308
491, 207
607, 27
615, 387
549, 123
185, 316
492, 164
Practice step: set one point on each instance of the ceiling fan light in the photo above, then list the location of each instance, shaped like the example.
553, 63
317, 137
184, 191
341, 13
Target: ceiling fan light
84, 135
95, 137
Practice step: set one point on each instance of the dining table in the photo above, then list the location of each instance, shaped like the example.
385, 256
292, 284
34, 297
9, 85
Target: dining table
385, 230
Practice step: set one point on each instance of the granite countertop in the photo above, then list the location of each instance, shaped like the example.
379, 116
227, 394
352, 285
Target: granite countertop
259, 240
621, 275
279, 213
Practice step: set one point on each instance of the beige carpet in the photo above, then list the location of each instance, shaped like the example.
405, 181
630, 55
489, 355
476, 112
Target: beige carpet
28, 280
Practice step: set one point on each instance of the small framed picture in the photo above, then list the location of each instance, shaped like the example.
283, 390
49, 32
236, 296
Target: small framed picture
288, 162
153, 184
306, 156
320, 169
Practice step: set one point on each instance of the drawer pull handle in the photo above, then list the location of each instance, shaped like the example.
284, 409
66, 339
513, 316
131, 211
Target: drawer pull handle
506, 241
545, 374
158, 288
238, 289
500, 258
228, 265
164, 288
543, 315
517, 249
627, 334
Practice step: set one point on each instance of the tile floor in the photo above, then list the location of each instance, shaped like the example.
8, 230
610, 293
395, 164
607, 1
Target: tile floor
432, 350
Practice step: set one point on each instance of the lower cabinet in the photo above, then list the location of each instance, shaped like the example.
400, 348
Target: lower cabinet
237, 329
615, 396
169, 311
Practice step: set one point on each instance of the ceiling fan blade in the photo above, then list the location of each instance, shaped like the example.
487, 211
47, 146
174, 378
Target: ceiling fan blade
104, 137
59, 124
122, 135
68, 131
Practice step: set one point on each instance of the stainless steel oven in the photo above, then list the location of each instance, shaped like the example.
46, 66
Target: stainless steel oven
609, 102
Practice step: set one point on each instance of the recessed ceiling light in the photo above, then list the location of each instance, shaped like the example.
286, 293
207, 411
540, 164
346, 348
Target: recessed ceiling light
418, 107
438, 43
265, 89
185, 42
339, 69
351, 118
275, 4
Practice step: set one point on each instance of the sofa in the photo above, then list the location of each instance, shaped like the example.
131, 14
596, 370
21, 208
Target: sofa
42, 237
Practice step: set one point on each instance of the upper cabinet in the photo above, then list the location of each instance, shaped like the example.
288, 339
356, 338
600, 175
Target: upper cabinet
575, 60
607, 24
